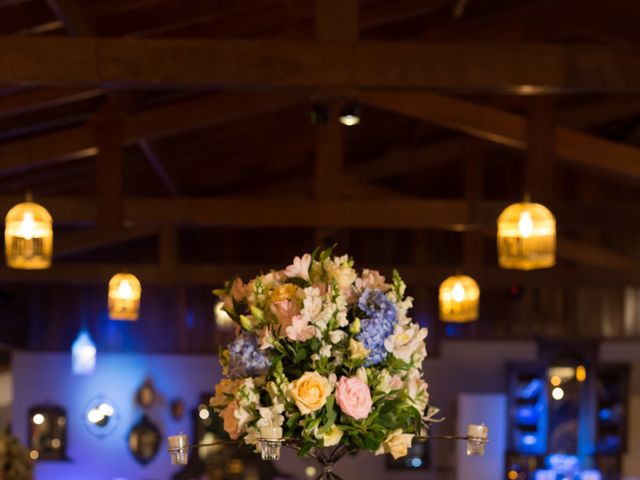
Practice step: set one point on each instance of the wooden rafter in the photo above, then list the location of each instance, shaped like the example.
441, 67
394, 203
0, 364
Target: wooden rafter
510, 129
79, 142
215, 274
268, 64
385, 213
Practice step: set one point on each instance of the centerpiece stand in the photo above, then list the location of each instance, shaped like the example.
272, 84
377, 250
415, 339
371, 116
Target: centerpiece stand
327, 458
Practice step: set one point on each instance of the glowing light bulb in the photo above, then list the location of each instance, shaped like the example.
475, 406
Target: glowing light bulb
203, 414
125, 291
581, 373
525, 225
38, 419
457, 292
105, 409
556, 381
94, 415
27, 228
557, 393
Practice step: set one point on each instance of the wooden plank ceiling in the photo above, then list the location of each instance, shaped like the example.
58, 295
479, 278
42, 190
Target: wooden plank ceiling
156, 131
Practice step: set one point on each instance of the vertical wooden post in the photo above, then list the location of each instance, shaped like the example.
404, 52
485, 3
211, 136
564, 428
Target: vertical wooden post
329, 166
540, 181
541, 175
335, 20
473, 152
109, 132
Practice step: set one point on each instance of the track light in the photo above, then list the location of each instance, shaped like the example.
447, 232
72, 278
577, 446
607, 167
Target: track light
350, 114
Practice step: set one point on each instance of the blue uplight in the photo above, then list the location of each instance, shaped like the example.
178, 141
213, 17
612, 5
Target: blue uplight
83, 354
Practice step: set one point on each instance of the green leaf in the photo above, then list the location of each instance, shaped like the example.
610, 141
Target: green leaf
326, 253
298, 282
292, 421
300, 355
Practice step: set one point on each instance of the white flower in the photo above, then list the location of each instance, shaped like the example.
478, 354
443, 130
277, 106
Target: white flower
252, 436
273, 279
397, 444
271, 416
340, 270
402, 308
299, 267
417, 389
361, 373
325, 351
372, 280
341, 307
405, 341
311, 304
337, 336
332, 437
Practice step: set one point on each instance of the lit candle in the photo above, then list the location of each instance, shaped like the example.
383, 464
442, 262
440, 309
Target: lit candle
477, 438
179, 449
270, 443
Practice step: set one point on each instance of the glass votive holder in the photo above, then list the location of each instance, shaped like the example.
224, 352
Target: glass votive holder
477, 438
270, 443
179, 449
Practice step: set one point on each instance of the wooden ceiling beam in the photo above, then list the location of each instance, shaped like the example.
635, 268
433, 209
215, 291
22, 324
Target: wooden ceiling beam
73, 243
272, 63
386, 213
215, 274
586, 253
79, 142
32, 100
72, 15
509, 129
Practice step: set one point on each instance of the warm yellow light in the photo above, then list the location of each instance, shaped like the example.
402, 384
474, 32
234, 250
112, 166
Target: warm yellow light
28, 237
55, 443
223, 320
555, 381
457, 292
512, 475
557, 393
310, 471
525, 225
33, 454
203, 414
124, 297
350, 120
581, 373
124, 290
459, 299
526, 237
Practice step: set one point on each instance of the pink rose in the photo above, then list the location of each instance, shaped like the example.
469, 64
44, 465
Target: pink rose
353, 397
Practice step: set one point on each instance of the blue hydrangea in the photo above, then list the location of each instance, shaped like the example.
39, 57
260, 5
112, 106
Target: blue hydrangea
245, 360
378, 324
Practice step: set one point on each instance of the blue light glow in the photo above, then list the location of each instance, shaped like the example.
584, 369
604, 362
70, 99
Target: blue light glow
83, 354
529, 440
416, 462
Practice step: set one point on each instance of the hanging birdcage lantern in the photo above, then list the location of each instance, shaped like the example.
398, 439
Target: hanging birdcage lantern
28, 236
459, 299
124, 297
526, 237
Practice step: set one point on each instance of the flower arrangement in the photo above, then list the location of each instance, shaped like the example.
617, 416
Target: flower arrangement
15, 463
326, 355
